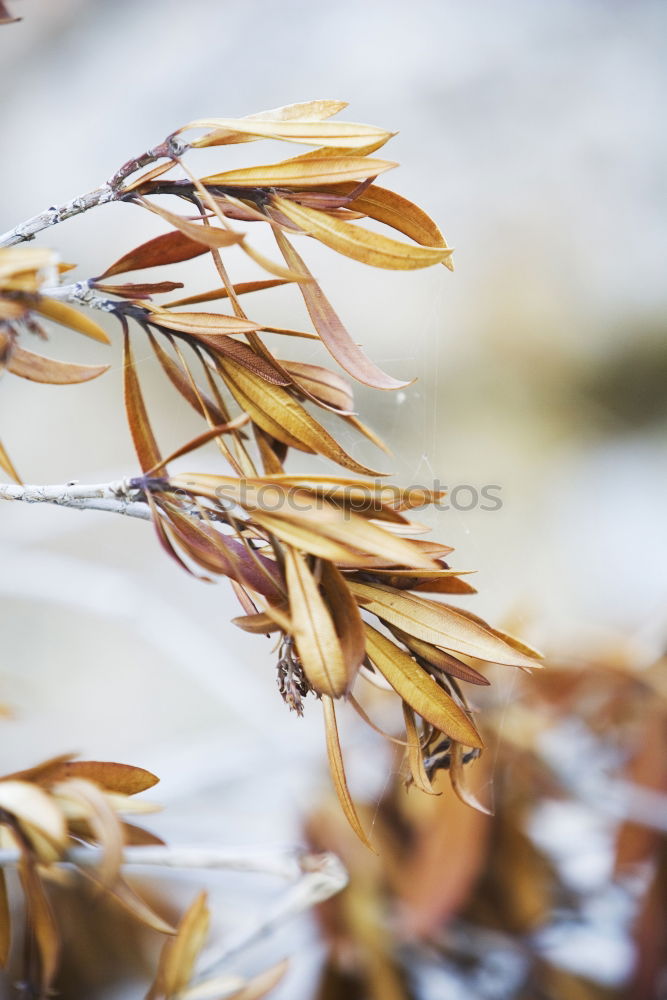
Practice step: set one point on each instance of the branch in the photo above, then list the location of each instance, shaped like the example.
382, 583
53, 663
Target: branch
117, 498
111, 191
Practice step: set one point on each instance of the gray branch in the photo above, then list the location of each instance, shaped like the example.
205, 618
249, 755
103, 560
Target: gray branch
115, 498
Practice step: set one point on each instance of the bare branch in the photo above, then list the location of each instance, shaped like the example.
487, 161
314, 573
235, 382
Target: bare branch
116, 498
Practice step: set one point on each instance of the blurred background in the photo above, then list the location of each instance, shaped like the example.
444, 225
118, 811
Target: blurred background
530, 132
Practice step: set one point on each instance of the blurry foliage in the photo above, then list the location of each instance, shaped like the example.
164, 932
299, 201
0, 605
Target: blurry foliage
456, 889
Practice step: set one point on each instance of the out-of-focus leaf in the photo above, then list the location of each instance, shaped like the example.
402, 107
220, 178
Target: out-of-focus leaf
337, 769
299, 173
7, 465
419, 690
169, 248
313, 630
42, 923
64, 314
458, 777
128, 899
109, 775
179, 954
37, 368
145, 444
35, 809
284, 418
360, 244
241, 288
104, 824
257, 624
327, 386
439, 624
332, 333
5, 922
208, 236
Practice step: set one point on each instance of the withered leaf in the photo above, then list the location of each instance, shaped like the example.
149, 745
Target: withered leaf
284, 418
213, 324
37, 368
337, 769
419, 690
313, 630
439, 624
5, 922
64, 314
169, 248
179, 954
240, 288
42, 923
145, 444
414, 752
207, 236
332, 333
360, 244
326, 386
297, 173
338, 135
7, 465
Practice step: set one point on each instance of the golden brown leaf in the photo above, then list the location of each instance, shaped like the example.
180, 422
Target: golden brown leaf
208, 236
7, 465
337, 769
284, 418
326, 386
298, 173
240, 288
64, 314
414, 752
313, 630
346, 618
419, 690
439, 624
360, 244
338, 135
37, 368
179, 954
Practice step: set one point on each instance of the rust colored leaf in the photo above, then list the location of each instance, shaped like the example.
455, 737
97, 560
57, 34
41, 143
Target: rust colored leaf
337, 768
169, 248
333, 334
37, 368
201, 439
145, 444
419, 690
257, 624
109, 775
131, 290
241, 288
